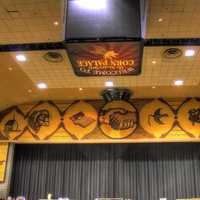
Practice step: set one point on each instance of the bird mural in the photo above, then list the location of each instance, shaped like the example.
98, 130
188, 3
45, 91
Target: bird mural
157, 117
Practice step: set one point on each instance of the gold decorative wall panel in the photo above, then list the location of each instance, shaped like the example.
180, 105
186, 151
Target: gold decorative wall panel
157, 118
117, 121
4, 147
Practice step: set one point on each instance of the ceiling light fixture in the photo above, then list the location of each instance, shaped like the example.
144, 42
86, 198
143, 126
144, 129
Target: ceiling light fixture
21, 57
178, 82
80, 89
160, 19
189, 53
153, 87
153, 62
42, 85
109, 84
56, 23
10, 68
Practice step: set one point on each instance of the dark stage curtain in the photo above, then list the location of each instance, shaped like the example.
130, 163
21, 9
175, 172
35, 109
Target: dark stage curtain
85, 172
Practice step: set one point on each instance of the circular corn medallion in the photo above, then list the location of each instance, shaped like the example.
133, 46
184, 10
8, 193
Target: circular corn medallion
189, 117
80, 119
157, 118
118, 119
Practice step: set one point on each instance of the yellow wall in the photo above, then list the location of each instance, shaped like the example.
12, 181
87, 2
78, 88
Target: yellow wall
3, 160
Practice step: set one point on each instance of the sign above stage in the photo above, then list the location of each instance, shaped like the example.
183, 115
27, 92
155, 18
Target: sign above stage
106, 58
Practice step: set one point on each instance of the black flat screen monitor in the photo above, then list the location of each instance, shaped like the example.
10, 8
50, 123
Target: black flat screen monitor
93, 19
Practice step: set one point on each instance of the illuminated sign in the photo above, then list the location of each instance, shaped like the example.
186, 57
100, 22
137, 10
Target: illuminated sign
106, 58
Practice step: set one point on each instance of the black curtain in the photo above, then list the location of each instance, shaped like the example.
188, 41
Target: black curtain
85, 172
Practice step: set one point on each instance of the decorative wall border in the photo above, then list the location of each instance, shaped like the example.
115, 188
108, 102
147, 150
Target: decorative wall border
97, 130
173, 111
62, 119
177, 111
137, 121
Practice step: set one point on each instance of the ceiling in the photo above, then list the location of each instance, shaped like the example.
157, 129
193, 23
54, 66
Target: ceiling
39, 21
180, 19
30, 21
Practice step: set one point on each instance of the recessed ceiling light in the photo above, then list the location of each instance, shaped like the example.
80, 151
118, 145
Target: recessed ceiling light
153, 87
10, 68
21, 57
29, 91
42, 85
80, 89
153, 62
189, 52
160, 19
109, 84
178, 82
56, 23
